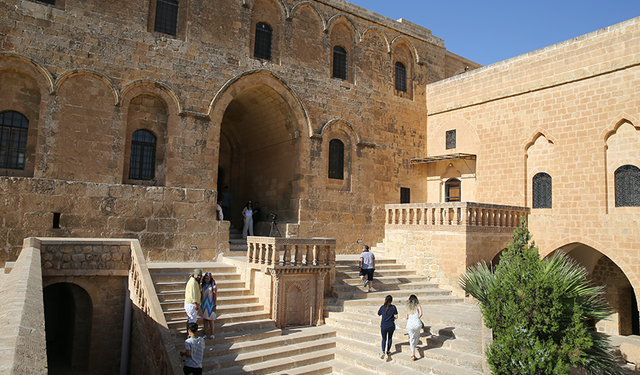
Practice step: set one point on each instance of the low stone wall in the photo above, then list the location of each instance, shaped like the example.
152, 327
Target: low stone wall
172, 224
22, 333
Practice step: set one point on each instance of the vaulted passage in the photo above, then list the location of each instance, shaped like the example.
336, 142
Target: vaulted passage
618, 290
68, 313
259, 152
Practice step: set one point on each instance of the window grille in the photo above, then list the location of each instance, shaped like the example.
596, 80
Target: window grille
167, 17
401, 77
262, 46
142, 164
451, 139
452, 190
405, 195
13, 139
339, 63
336, 159
627, 181
542, 191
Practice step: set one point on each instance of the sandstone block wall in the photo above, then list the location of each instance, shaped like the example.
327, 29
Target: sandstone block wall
570, 110
88, 74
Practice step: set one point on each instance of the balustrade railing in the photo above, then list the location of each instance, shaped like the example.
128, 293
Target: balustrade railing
469, 214
291, 252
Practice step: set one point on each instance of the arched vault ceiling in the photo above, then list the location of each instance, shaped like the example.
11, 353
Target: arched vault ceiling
260, 117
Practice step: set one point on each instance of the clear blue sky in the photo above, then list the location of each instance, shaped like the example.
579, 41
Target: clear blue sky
494, 30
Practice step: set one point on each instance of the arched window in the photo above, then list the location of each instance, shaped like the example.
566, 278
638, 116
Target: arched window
452, 190
336, 159
542, 191
401, 77
166, 17
142, 164
13, 139
339, 63
627, 180
262, 46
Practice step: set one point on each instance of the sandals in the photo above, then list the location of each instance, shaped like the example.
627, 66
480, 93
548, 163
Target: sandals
413, 358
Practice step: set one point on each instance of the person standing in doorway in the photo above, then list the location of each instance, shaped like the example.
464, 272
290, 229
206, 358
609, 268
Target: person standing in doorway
226, 200
389, 314
367, 266
247, 215
192, 296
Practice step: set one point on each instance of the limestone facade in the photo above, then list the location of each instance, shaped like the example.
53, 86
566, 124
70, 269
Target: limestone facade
88, 75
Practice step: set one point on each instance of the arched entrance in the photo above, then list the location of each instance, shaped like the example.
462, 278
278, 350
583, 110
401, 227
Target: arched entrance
67, 313
618, 290
259, 152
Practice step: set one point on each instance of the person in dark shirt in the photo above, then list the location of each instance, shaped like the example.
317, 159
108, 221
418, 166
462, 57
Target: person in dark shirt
389, 314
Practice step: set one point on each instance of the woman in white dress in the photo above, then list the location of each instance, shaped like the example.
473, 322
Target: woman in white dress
414, 324
247, 217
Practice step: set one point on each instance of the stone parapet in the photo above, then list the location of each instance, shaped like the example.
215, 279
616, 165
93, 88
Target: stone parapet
22, 333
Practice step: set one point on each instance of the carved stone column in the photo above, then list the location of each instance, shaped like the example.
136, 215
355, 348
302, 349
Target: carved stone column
320, 298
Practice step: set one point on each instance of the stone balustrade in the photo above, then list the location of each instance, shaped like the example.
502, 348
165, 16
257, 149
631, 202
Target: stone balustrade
291, 252
463, 214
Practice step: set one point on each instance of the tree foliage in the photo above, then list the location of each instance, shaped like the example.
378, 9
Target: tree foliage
539, 312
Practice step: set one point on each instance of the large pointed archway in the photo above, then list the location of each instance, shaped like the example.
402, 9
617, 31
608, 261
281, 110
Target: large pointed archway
618, 290
260, 146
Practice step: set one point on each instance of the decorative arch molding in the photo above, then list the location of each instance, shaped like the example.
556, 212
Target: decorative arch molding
534, 137
152, 87
45, 79
313, 7
410, 46
251, 78
336, 19
553, 247
342, 125
76, 72
374, 29
283, 7
92, 290
612, 128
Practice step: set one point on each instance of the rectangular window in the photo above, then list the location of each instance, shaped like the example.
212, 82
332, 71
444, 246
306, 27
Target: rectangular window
405, 195
451, 139
167, 17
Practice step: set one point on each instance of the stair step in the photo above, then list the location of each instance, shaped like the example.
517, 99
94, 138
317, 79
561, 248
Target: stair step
181, 324
290, 365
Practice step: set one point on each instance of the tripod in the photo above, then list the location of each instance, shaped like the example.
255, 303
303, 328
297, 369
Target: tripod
274, 229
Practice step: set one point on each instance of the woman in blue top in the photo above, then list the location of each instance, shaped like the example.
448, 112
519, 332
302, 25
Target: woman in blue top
389, 314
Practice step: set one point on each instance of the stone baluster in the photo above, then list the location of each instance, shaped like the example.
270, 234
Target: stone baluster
322, 255
287, 255
456, 216
298, 254
387, 216
315, 255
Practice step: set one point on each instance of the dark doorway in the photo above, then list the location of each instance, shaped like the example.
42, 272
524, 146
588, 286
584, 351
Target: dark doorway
67, 315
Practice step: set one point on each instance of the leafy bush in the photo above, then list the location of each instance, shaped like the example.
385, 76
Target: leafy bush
539, 312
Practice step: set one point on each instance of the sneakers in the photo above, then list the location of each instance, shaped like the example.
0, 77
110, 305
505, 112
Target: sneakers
369, 290
212, 337
382, 355
366, 282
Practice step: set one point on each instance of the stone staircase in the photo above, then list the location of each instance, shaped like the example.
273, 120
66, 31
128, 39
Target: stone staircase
247, 341
451, 342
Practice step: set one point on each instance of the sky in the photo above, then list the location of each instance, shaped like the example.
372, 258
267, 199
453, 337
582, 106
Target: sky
494, 30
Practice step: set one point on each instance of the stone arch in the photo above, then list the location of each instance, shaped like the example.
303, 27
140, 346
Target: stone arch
537, 134
376, 30
283, 6
256, 77
620, 148
34, 69
539, 155
272, 13
152, 87
620, 289
613, 126
260, 120
68, 324
343, 18
311, 5
343, 33
410, 46
76, 72
401, 53
343, 131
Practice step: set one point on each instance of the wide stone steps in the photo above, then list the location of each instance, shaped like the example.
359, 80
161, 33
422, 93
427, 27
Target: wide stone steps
448, 344
247, 340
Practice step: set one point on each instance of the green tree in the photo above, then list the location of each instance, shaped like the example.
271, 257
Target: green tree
539, 312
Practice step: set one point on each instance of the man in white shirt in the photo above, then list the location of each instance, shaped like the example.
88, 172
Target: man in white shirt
367, 266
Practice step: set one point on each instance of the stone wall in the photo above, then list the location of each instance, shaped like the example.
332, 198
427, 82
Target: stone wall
167, 221
88, 74
570, 110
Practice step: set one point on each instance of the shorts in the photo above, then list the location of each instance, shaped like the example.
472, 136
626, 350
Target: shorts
192, 312
192, 370
368, 273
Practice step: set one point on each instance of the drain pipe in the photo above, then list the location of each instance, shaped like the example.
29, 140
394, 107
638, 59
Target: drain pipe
126, 334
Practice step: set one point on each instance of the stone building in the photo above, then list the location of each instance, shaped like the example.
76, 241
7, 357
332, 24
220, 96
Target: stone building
124, 119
